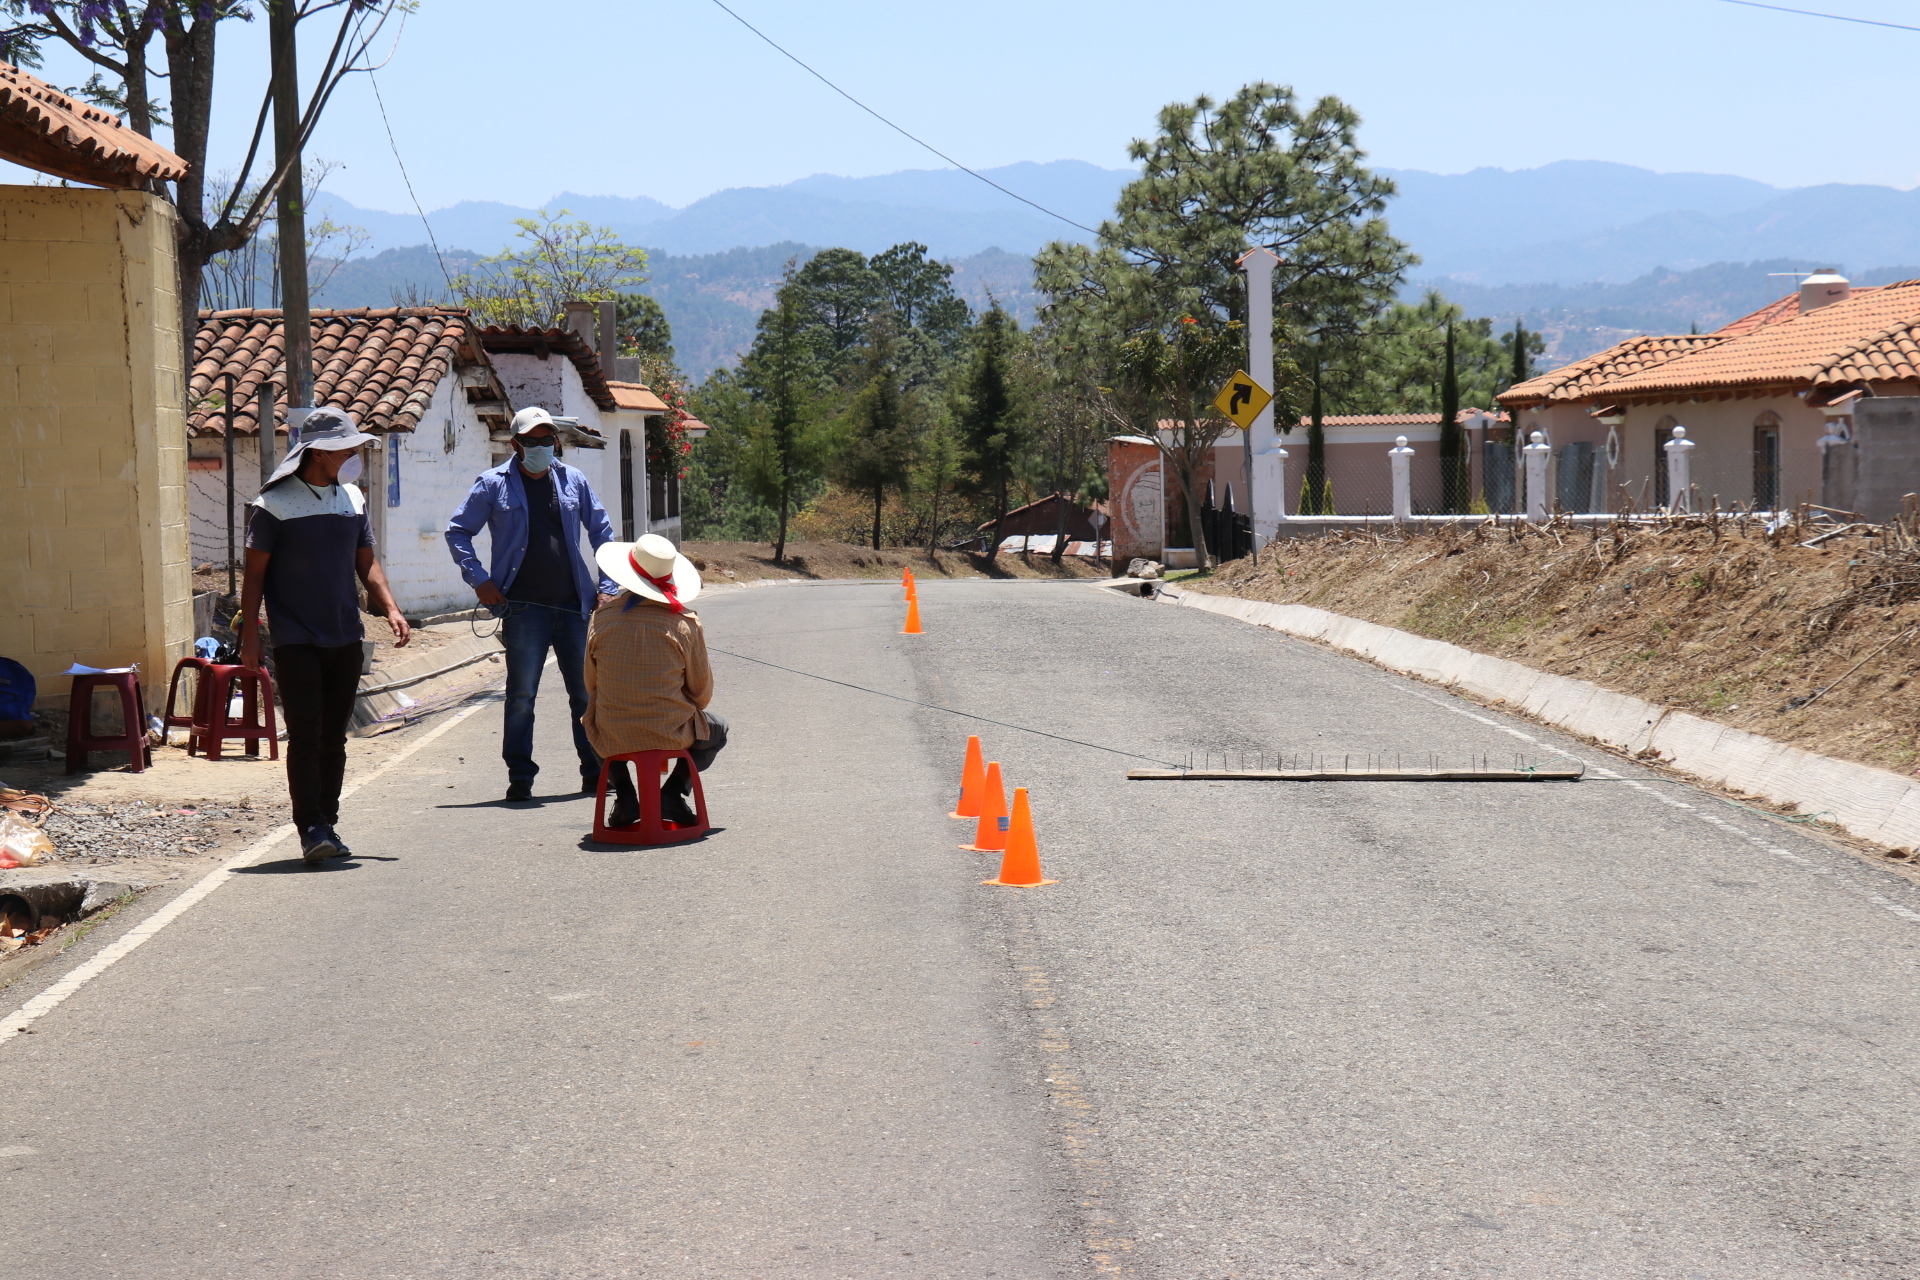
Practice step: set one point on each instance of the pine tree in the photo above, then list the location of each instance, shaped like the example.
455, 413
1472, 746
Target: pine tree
1316, 497
878, 443
992, 434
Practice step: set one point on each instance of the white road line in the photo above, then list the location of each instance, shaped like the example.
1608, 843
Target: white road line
1878, 900
51, 998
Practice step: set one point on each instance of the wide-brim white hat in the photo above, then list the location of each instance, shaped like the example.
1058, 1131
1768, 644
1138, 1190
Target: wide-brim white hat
622, 561
326, 428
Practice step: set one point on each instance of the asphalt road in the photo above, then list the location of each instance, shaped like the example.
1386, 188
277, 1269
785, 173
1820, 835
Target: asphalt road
1609, 1029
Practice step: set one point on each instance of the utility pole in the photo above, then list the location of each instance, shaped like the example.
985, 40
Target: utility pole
1267, 469
295, 316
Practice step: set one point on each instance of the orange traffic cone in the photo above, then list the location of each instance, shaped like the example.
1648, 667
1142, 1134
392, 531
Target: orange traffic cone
1020, 865
913, 619
973, 776
906, 582
990, 834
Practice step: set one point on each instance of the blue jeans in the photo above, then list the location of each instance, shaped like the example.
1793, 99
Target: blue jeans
529, 631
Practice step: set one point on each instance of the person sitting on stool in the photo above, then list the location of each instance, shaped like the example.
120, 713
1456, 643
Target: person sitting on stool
648, 682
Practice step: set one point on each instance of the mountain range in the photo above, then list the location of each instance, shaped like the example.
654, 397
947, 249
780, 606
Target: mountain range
1563, 243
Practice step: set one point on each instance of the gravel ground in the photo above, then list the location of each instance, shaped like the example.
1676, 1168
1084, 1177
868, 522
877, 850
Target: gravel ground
136, 829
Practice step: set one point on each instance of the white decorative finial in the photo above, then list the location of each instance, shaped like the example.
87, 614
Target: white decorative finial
1679, 433
1539, 437
1400, 441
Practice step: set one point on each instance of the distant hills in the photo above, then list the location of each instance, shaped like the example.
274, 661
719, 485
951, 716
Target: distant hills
1583, 248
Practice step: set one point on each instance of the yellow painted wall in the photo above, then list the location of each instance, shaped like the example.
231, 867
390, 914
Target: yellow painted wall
93, 535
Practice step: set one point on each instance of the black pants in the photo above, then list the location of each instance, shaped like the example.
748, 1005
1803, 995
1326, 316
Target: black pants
316, 687
703, 750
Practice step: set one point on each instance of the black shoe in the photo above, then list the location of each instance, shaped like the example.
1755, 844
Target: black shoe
520, 789
675, 809
317, 844
625, 811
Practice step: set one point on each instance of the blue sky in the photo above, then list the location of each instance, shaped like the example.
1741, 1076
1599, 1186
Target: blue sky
673, 99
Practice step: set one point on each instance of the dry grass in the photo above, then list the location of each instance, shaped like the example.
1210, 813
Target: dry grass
1816, 646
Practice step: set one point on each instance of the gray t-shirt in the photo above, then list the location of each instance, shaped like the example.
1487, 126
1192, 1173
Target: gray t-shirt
314, 536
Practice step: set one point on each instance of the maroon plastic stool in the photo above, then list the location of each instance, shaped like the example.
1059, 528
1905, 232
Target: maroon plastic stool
651, 829
213, 724
200, 667
80, 735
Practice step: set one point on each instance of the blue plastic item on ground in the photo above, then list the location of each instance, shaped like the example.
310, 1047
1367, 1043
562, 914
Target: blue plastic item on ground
16, 691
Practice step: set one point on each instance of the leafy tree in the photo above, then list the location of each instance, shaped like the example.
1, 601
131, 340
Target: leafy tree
642, 327
559, 262
1066, 425
1168, 378
920, 291
992, 431
936, 473
116, 37
837, 292
1219, 179
235, 278
877, 438
786, 443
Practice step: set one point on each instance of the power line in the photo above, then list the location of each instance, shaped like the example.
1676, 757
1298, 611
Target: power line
896, 128
372, 80
933, 706
1808, 13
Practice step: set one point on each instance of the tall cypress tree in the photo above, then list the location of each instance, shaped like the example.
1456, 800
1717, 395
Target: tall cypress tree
1454, 475
992, 430
1316, 497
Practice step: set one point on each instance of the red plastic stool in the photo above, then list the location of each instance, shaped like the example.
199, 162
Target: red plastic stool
80, 736
651, 829
200, 668
212, 723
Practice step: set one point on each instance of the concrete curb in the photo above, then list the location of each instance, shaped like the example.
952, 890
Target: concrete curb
1873, 804
417, 676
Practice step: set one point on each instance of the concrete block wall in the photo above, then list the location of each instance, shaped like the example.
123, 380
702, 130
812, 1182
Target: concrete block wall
94, 552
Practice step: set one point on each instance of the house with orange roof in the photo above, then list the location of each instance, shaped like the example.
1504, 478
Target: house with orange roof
1758, 398
438, 391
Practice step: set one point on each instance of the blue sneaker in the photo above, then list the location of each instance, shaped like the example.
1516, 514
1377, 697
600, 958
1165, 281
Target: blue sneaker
317, 844
334, 835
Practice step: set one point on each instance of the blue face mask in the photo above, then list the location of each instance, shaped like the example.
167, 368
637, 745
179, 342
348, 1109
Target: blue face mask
537, 457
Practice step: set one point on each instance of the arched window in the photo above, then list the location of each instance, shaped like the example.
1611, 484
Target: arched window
1662, 432
1766, 461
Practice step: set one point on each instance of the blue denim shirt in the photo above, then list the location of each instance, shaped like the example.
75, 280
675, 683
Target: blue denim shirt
498, 502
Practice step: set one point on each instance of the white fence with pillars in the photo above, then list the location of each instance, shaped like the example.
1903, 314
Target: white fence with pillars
1535, 460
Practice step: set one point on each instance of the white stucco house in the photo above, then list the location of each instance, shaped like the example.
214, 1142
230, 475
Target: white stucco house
439, 392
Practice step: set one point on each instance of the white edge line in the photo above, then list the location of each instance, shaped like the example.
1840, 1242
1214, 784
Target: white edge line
50, 999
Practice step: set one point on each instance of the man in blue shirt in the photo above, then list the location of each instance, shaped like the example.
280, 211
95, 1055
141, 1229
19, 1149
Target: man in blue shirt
539, 584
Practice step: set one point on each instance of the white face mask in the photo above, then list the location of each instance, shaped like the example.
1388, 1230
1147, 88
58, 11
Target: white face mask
350, 470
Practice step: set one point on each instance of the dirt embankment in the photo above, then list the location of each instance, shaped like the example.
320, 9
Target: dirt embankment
1817, 646
748, 561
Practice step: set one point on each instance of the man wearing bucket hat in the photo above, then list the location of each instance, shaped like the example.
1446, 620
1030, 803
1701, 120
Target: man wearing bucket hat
538, 584
647, 673
307, 539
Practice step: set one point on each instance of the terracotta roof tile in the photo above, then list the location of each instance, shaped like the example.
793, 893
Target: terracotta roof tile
636, 395
502, 339
379, 364
1600, 373
44, 129
1869, 337
1774, 312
